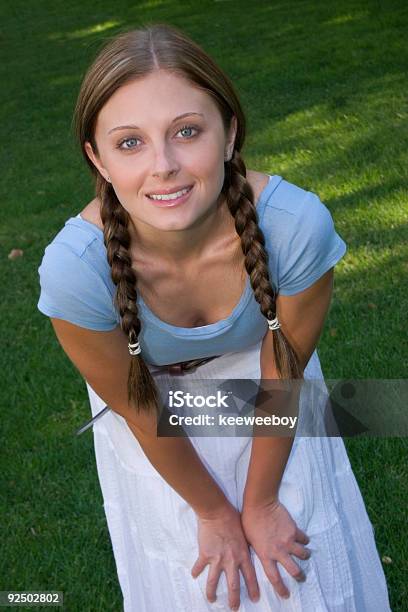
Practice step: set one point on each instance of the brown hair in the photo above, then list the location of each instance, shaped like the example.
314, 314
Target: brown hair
130, 56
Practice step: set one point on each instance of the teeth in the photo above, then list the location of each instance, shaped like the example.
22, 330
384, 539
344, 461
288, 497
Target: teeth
170, 196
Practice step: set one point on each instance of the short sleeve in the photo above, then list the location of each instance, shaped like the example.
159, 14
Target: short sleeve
311, 248
71, 289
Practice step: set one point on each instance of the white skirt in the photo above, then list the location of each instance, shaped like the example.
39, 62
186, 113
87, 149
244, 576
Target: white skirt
154, 531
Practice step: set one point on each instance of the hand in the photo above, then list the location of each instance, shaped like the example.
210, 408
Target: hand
274, 536
223, 546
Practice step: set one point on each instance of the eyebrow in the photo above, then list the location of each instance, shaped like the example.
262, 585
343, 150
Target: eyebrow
135, 127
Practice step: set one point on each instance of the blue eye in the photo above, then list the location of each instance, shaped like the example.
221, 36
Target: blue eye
188, 127
126, 140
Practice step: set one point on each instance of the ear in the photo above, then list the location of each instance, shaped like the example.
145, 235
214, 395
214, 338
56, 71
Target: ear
232, 132
96, 161
230, 142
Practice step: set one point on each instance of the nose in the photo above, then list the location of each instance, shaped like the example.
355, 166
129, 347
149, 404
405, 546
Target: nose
164, 161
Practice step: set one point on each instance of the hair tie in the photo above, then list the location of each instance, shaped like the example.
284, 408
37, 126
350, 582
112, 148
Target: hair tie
134, 348
273, 323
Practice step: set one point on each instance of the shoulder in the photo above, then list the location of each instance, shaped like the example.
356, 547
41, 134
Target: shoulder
289, 198
92, 213
291, 210
77, 245
283, 196
258, 182
300, 236
79, 234
75, 278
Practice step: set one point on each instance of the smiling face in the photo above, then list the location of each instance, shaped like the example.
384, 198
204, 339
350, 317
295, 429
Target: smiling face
157, 151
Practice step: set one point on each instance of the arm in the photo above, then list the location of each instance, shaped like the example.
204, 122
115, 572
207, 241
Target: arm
267, 524
302, 317
103, 360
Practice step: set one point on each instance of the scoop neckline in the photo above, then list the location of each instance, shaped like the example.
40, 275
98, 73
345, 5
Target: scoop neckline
217, 326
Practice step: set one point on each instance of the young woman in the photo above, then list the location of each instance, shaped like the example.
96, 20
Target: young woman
186, 255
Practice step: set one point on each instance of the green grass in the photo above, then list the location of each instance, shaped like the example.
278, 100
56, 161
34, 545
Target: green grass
324, 88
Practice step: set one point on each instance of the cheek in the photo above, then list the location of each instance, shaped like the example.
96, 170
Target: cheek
126, 174
213, 166
207, 167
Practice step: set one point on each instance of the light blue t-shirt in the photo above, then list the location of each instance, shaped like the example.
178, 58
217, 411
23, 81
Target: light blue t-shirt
302, 245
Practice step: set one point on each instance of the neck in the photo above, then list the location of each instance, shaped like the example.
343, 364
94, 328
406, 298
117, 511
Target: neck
187, 245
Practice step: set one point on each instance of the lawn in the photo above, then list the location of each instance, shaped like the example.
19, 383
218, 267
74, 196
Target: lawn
323, 84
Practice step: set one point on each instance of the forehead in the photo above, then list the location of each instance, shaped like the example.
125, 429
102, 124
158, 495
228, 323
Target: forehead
158, 97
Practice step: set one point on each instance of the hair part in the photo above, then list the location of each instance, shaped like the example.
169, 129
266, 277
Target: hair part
130, 56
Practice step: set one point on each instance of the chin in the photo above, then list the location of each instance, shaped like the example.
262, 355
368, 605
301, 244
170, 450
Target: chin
174, 225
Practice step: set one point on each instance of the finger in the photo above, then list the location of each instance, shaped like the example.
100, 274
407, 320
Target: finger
248, 571
300, 551
212, 582
274, 577
198, 567
232, 574
292, 568
302, 537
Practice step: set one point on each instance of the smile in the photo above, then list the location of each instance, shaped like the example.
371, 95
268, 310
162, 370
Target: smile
170, 199
170, 196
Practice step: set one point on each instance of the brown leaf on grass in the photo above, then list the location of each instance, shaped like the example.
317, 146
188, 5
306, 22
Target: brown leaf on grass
333, 332
371, 305
14, 253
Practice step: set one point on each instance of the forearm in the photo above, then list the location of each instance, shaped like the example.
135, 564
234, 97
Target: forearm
268, 460
270, 452
178, 463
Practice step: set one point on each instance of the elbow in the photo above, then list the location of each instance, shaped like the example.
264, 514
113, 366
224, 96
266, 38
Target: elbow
142, 424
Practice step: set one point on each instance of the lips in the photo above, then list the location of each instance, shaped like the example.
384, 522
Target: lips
168, 191
172, 202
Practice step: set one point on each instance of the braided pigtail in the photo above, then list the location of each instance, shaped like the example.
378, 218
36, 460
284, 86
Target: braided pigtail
141, 387
240, 200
